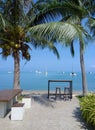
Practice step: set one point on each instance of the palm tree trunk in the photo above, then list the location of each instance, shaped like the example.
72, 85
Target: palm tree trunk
16, 71
84, 82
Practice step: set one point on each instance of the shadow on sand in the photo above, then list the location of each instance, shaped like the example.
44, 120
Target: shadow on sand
43, 100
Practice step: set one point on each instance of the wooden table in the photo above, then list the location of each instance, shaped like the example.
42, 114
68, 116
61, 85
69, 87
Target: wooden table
67, 81
7, 98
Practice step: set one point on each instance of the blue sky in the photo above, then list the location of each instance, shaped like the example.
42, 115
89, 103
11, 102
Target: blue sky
46, 60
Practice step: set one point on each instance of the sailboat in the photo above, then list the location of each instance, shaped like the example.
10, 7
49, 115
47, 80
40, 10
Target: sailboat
46, 73
37, 71
9, 72
72, 73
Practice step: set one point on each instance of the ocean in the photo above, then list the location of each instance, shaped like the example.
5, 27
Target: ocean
39, 80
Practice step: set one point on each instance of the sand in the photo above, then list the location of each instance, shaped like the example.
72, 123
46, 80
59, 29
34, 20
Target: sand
47, 114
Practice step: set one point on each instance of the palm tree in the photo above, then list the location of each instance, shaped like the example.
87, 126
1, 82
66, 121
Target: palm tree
79, 10
75, 12
78, 17
14, 38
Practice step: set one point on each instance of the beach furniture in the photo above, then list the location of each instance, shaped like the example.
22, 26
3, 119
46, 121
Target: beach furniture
50, 93
58, 92
17, 111
7, 99
66, 93
27, 101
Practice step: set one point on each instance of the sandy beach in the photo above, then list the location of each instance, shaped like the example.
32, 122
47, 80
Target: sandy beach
47, 114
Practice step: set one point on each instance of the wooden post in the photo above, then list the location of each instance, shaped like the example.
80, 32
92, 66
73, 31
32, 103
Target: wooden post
71, 89
48, 88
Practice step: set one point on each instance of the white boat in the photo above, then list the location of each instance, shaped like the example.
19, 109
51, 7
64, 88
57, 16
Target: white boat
37, 71
9, 72
73, 74
46, 73
90, 72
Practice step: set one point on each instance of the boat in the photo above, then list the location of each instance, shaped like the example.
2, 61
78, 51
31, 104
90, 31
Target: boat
37, 71
9, 72
73, 74
46, 73
90, 72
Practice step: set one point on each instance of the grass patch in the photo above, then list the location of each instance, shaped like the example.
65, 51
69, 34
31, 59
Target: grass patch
87, 107
19, 98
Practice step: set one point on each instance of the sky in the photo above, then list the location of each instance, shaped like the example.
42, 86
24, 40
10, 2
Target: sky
46, 60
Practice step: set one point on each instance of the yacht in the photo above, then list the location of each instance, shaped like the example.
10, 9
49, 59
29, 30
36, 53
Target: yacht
73, 74
46, 73
9, 72
90, 72
37, 71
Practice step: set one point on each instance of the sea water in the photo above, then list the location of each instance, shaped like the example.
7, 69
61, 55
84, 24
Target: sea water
39, 80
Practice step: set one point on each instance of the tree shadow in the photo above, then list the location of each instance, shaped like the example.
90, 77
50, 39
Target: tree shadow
43, 100
78, 115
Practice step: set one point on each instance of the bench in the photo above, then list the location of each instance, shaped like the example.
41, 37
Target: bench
17, 111
7, 99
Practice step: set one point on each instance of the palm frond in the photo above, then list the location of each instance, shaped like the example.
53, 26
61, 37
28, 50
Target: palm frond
2, 22
72, 48
71, 19
91, 24
54, 49
41, 42
52, 10
61, 31
45, 11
